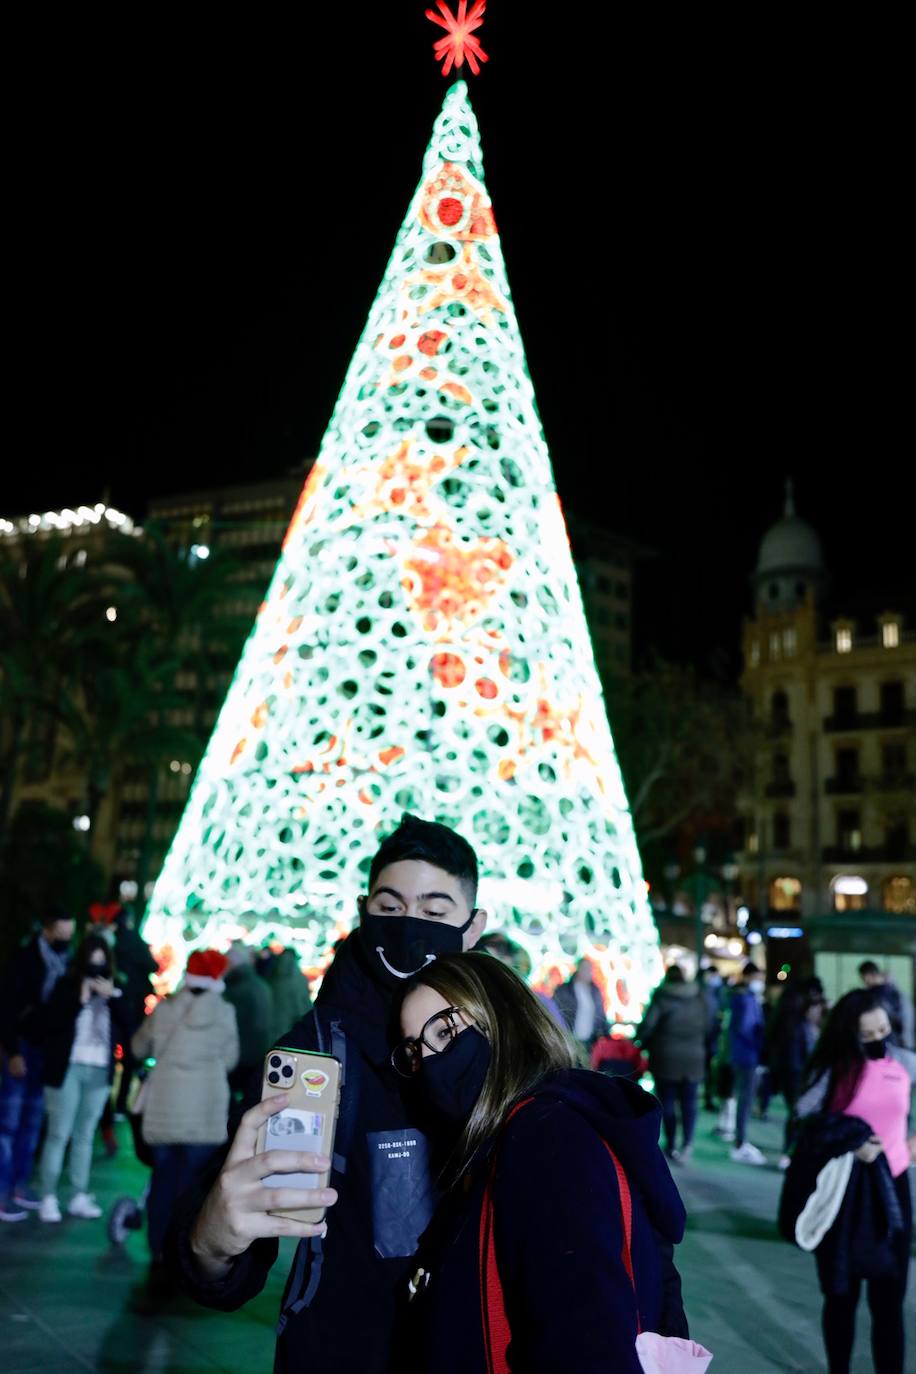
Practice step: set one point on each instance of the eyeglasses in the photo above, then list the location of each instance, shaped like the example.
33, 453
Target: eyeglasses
439, 1032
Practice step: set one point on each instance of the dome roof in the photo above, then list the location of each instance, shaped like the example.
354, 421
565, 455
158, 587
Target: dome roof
791, 545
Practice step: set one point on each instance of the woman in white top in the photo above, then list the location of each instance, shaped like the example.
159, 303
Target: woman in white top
78, 1029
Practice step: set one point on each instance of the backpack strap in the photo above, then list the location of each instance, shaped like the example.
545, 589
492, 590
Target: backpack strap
347, 1115
496, 1330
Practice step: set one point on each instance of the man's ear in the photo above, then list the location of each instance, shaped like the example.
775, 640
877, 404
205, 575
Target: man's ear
475, 929
361, 903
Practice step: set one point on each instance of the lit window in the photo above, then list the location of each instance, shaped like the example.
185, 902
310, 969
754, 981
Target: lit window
849, 830
844, 640
890, 634
850, 892
900, 895
753, 843
775, 645
789, 641
785, 894
755, 653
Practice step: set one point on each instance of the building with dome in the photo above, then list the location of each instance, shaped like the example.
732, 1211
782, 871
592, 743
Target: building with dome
829, 818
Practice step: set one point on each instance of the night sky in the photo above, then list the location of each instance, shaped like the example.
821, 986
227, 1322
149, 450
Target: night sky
702, 221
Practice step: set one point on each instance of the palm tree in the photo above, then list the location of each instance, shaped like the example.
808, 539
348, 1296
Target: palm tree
183, 602
174, 615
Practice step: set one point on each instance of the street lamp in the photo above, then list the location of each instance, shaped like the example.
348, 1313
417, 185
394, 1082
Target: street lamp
730, 871
701, 890
672, 872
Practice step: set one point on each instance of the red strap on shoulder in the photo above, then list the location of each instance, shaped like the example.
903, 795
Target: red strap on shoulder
626, 1212
496, 1330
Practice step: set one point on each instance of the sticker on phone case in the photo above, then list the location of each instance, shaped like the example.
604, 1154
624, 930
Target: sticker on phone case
294, 1130
314, 1081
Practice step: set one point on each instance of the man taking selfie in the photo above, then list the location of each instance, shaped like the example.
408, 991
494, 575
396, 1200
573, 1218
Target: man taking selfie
339, 1304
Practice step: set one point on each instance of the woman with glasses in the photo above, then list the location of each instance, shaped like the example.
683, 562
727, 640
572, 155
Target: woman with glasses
526, 1251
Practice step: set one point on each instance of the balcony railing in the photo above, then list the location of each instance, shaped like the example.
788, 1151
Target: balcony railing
895, 782
875, 854
843, 786
869, 720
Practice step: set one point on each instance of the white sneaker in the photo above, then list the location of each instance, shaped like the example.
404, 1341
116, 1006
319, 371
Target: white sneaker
748, 1154
49, 1209
84, 1205
784, 1162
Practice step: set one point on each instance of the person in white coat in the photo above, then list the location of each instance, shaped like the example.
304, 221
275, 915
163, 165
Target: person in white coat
194, 1039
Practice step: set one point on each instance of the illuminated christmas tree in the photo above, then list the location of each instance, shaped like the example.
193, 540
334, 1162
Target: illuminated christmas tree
422, 646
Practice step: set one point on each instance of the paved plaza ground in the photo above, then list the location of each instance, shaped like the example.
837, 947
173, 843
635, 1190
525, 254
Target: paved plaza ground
70, 1303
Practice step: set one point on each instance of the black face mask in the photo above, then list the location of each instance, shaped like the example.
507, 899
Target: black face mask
875, 1049
399, 946
452, 1081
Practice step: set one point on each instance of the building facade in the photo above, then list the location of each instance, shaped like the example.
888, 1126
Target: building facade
829, 819
604, 565
50, 772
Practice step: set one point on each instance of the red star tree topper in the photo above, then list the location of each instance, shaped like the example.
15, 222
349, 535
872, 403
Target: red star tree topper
459, 41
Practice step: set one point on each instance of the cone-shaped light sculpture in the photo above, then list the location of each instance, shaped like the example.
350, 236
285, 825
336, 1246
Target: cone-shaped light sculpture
423, 644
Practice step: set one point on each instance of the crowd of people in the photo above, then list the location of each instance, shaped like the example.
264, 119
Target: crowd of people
73, 1022
467, 1098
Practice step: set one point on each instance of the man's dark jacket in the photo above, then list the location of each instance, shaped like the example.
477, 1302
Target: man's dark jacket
135, 964
345, 1326
565, 999
250, 995
20, 994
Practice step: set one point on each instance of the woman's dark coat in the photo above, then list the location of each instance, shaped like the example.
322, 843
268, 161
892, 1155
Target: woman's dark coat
558, 1236
674, 1031
870, 1235
53, 1028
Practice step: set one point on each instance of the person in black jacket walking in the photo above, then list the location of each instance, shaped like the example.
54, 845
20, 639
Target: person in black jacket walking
420, 904
136, 966
674, 1031
251, 998
28, 981
78, 1030
492, 1064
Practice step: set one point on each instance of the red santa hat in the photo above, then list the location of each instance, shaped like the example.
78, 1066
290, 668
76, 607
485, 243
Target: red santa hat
103, 913
205, 970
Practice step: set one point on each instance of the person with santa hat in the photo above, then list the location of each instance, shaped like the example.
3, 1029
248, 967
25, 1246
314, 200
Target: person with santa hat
194, 1039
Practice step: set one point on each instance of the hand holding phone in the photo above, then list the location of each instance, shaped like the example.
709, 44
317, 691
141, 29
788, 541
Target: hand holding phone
236, 1210
311, 1082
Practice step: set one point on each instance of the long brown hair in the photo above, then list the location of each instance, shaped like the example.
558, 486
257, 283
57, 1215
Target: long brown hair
525, 1041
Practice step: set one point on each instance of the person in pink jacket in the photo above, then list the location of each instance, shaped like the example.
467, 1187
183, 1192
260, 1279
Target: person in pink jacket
856, 1072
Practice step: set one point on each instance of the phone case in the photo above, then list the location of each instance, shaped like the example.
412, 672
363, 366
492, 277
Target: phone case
312, 1084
